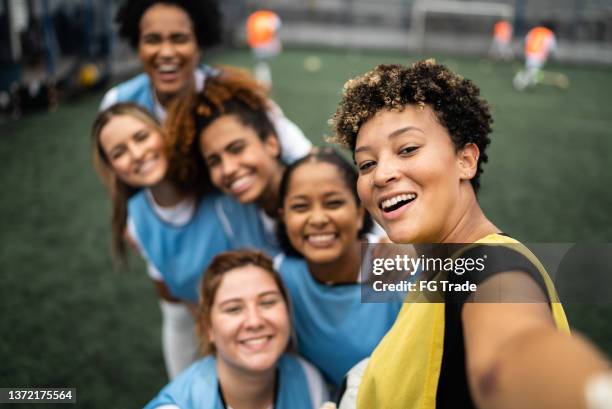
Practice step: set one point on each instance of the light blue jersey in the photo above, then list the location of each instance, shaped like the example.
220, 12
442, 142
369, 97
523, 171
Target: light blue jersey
335, 330
299, 387
181, 253
246, 227
139, 90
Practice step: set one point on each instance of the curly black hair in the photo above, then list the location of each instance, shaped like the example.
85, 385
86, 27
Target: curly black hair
204, 14
455, 101
349, 178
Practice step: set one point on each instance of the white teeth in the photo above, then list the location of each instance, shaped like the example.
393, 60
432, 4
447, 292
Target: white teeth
320, 238
167, 68
396, 199
255, 341
146, 166
240, 183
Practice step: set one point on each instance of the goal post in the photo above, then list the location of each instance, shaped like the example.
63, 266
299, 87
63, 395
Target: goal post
422, 8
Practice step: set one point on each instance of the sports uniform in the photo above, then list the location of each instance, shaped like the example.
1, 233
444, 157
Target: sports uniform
139, 90
335, 330
540, 42
421, 361
299, 386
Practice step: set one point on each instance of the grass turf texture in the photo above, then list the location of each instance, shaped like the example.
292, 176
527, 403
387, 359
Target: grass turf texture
68, 320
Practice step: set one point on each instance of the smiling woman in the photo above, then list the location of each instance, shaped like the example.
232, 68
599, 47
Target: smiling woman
322, 232
245, 329
176, 231
169, 36
419, 136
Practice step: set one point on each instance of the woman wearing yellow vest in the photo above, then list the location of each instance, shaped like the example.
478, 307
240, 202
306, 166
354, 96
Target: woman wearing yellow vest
419, 136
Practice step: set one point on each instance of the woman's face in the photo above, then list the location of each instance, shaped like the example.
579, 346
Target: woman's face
239, 162
168, 49
320, 213
410, 175
135, 151
250, 325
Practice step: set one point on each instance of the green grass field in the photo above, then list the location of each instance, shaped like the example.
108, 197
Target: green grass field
69, 320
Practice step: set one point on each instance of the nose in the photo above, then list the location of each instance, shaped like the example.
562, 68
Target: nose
254, 319
386, 171
166, 49
318, 217
137, 150
229, 166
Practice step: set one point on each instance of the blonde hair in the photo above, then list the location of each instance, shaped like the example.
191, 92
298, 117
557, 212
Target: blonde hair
119, 191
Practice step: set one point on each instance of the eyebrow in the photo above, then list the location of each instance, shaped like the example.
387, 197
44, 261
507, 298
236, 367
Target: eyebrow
325, 195
392, 135
275, 292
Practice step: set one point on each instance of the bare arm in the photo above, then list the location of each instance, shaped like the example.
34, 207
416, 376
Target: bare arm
515, 356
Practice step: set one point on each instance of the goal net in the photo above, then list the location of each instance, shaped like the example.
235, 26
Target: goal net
458, 17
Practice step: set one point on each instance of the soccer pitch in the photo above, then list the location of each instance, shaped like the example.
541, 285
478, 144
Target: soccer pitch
69, 320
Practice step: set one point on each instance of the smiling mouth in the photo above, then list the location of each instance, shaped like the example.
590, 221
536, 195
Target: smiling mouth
168, 71
241, 184
146, 166
321, 240
396, 202
256, 342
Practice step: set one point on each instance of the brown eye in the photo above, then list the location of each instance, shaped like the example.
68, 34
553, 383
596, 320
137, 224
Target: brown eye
151, 39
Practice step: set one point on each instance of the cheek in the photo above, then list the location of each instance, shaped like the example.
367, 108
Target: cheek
145, 53
293, 226
363, 190
280, 317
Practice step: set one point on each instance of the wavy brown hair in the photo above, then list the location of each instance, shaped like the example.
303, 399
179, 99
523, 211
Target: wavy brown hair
231, 91
213, 276
456, 102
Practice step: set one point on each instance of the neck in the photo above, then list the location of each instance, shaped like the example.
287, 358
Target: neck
269, 199
166, 99
472, 224
345, 269
244, 390
166, 194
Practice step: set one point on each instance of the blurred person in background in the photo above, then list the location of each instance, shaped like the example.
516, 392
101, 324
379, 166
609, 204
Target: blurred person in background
164, 215
244, 325
262, 29
170, 37
540, 43
501, 43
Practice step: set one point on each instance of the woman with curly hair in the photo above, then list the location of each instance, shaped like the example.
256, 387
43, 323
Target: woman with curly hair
419, 136
226, 135
170, 37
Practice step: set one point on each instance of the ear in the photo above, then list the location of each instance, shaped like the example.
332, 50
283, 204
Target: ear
272, 146
468, 161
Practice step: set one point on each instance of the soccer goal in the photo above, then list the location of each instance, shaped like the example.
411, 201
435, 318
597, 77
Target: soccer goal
422, 9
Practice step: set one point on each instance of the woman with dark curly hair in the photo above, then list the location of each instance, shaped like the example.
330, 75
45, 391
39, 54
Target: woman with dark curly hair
419, 136
170, 37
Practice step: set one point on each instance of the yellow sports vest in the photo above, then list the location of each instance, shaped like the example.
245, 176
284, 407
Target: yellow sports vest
404, 368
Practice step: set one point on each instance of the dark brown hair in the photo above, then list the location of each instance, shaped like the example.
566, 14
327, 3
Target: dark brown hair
233, 91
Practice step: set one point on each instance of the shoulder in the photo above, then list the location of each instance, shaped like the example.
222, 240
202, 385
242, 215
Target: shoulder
130, 90
299, 368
